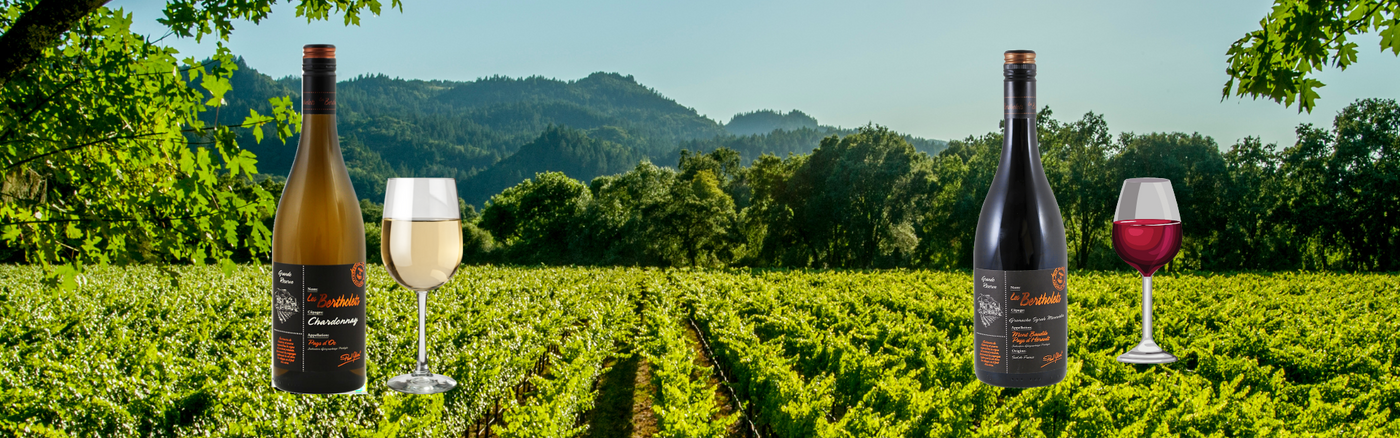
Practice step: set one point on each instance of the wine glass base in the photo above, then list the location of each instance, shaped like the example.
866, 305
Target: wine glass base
422, 383
1138, 355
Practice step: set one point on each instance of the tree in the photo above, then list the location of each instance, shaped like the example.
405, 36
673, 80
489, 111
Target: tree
39, 29
1346, 187
964, 173
536, 218
616, 227
1076, 159
1255, 235
855, 202
102, 149
1300, 37
1196, 169
723, 163
697, 226
769, 223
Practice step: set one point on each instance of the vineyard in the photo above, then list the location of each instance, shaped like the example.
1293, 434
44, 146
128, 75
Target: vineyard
601, 352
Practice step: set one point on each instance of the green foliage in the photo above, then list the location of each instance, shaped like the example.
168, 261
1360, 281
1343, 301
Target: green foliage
697, 224
870, 200
477, 244
1342, 187
535, 218
854, 203
1300, 37
619, 218
197, 18
162, 352
1078, 161
105, 160
155, 352
888, 353
106, 153
685, 402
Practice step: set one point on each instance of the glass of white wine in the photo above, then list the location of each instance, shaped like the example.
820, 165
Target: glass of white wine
422, 247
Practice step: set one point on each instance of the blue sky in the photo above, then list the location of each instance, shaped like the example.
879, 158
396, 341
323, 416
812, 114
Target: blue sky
931, 69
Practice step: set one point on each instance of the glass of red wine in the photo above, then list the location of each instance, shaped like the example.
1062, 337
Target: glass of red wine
1147, 234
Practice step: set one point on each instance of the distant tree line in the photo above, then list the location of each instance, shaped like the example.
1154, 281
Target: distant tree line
870, 200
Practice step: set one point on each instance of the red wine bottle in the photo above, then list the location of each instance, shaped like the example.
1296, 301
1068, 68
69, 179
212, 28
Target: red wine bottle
1020, 281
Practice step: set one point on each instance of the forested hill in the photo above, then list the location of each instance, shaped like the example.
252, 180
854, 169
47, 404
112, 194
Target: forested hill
765, 121
494, 132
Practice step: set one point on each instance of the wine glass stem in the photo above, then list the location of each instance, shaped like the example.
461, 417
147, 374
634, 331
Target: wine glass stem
1146, 309
422, 336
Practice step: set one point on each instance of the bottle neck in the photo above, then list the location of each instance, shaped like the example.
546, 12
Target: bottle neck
319, 139
1020, 141
318, 93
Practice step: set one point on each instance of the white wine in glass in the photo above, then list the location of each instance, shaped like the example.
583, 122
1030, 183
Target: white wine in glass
422, 247
422, 255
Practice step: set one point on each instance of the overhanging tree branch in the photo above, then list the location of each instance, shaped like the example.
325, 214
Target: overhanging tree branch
77, 146
128, 219
39, 29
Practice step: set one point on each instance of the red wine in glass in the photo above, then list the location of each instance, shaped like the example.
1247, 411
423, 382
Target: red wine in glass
1147, 244
1147, 234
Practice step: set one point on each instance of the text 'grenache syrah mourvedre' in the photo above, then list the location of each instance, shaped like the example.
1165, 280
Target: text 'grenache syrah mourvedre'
318, 252
1020, 281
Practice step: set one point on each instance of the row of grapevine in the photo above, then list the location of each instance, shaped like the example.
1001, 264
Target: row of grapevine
566, 391
888, 354
685, 403
835, 362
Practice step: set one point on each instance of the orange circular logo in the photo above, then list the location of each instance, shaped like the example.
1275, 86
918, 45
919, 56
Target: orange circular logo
358, 274
1059, 278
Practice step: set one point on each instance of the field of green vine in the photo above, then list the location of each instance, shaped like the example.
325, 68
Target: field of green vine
170, 352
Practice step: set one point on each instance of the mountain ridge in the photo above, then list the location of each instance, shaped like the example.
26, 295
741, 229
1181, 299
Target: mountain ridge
477, 131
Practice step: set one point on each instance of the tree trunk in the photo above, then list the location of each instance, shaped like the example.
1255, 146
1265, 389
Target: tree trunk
39, 29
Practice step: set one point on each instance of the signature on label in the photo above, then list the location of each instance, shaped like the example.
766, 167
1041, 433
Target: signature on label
348, 358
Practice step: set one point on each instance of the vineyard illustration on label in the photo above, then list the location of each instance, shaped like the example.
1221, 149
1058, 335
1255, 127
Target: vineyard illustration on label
988, 308
285, 305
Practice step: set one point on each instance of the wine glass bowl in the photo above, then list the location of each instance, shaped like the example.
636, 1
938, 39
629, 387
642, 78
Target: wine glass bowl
1147, 244
1147, 235
422, 246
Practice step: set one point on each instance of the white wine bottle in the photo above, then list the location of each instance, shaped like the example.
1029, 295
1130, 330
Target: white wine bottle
1020, 282
318, 252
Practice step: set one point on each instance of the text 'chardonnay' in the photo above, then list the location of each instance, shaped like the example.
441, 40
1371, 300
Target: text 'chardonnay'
1020, 281
318, 252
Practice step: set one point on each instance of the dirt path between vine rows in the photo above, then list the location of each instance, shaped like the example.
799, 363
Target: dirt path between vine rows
738, 428
623, 404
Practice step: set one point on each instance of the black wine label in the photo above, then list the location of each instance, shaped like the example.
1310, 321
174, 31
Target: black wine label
1021, 319
318, 316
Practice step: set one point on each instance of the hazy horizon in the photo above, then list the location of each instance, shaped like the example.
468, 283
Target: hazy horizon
923, 69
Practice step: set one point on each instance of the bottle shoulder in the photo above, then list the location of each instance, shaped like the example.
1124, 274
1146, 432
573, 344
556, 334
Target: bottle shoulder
1020, 226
